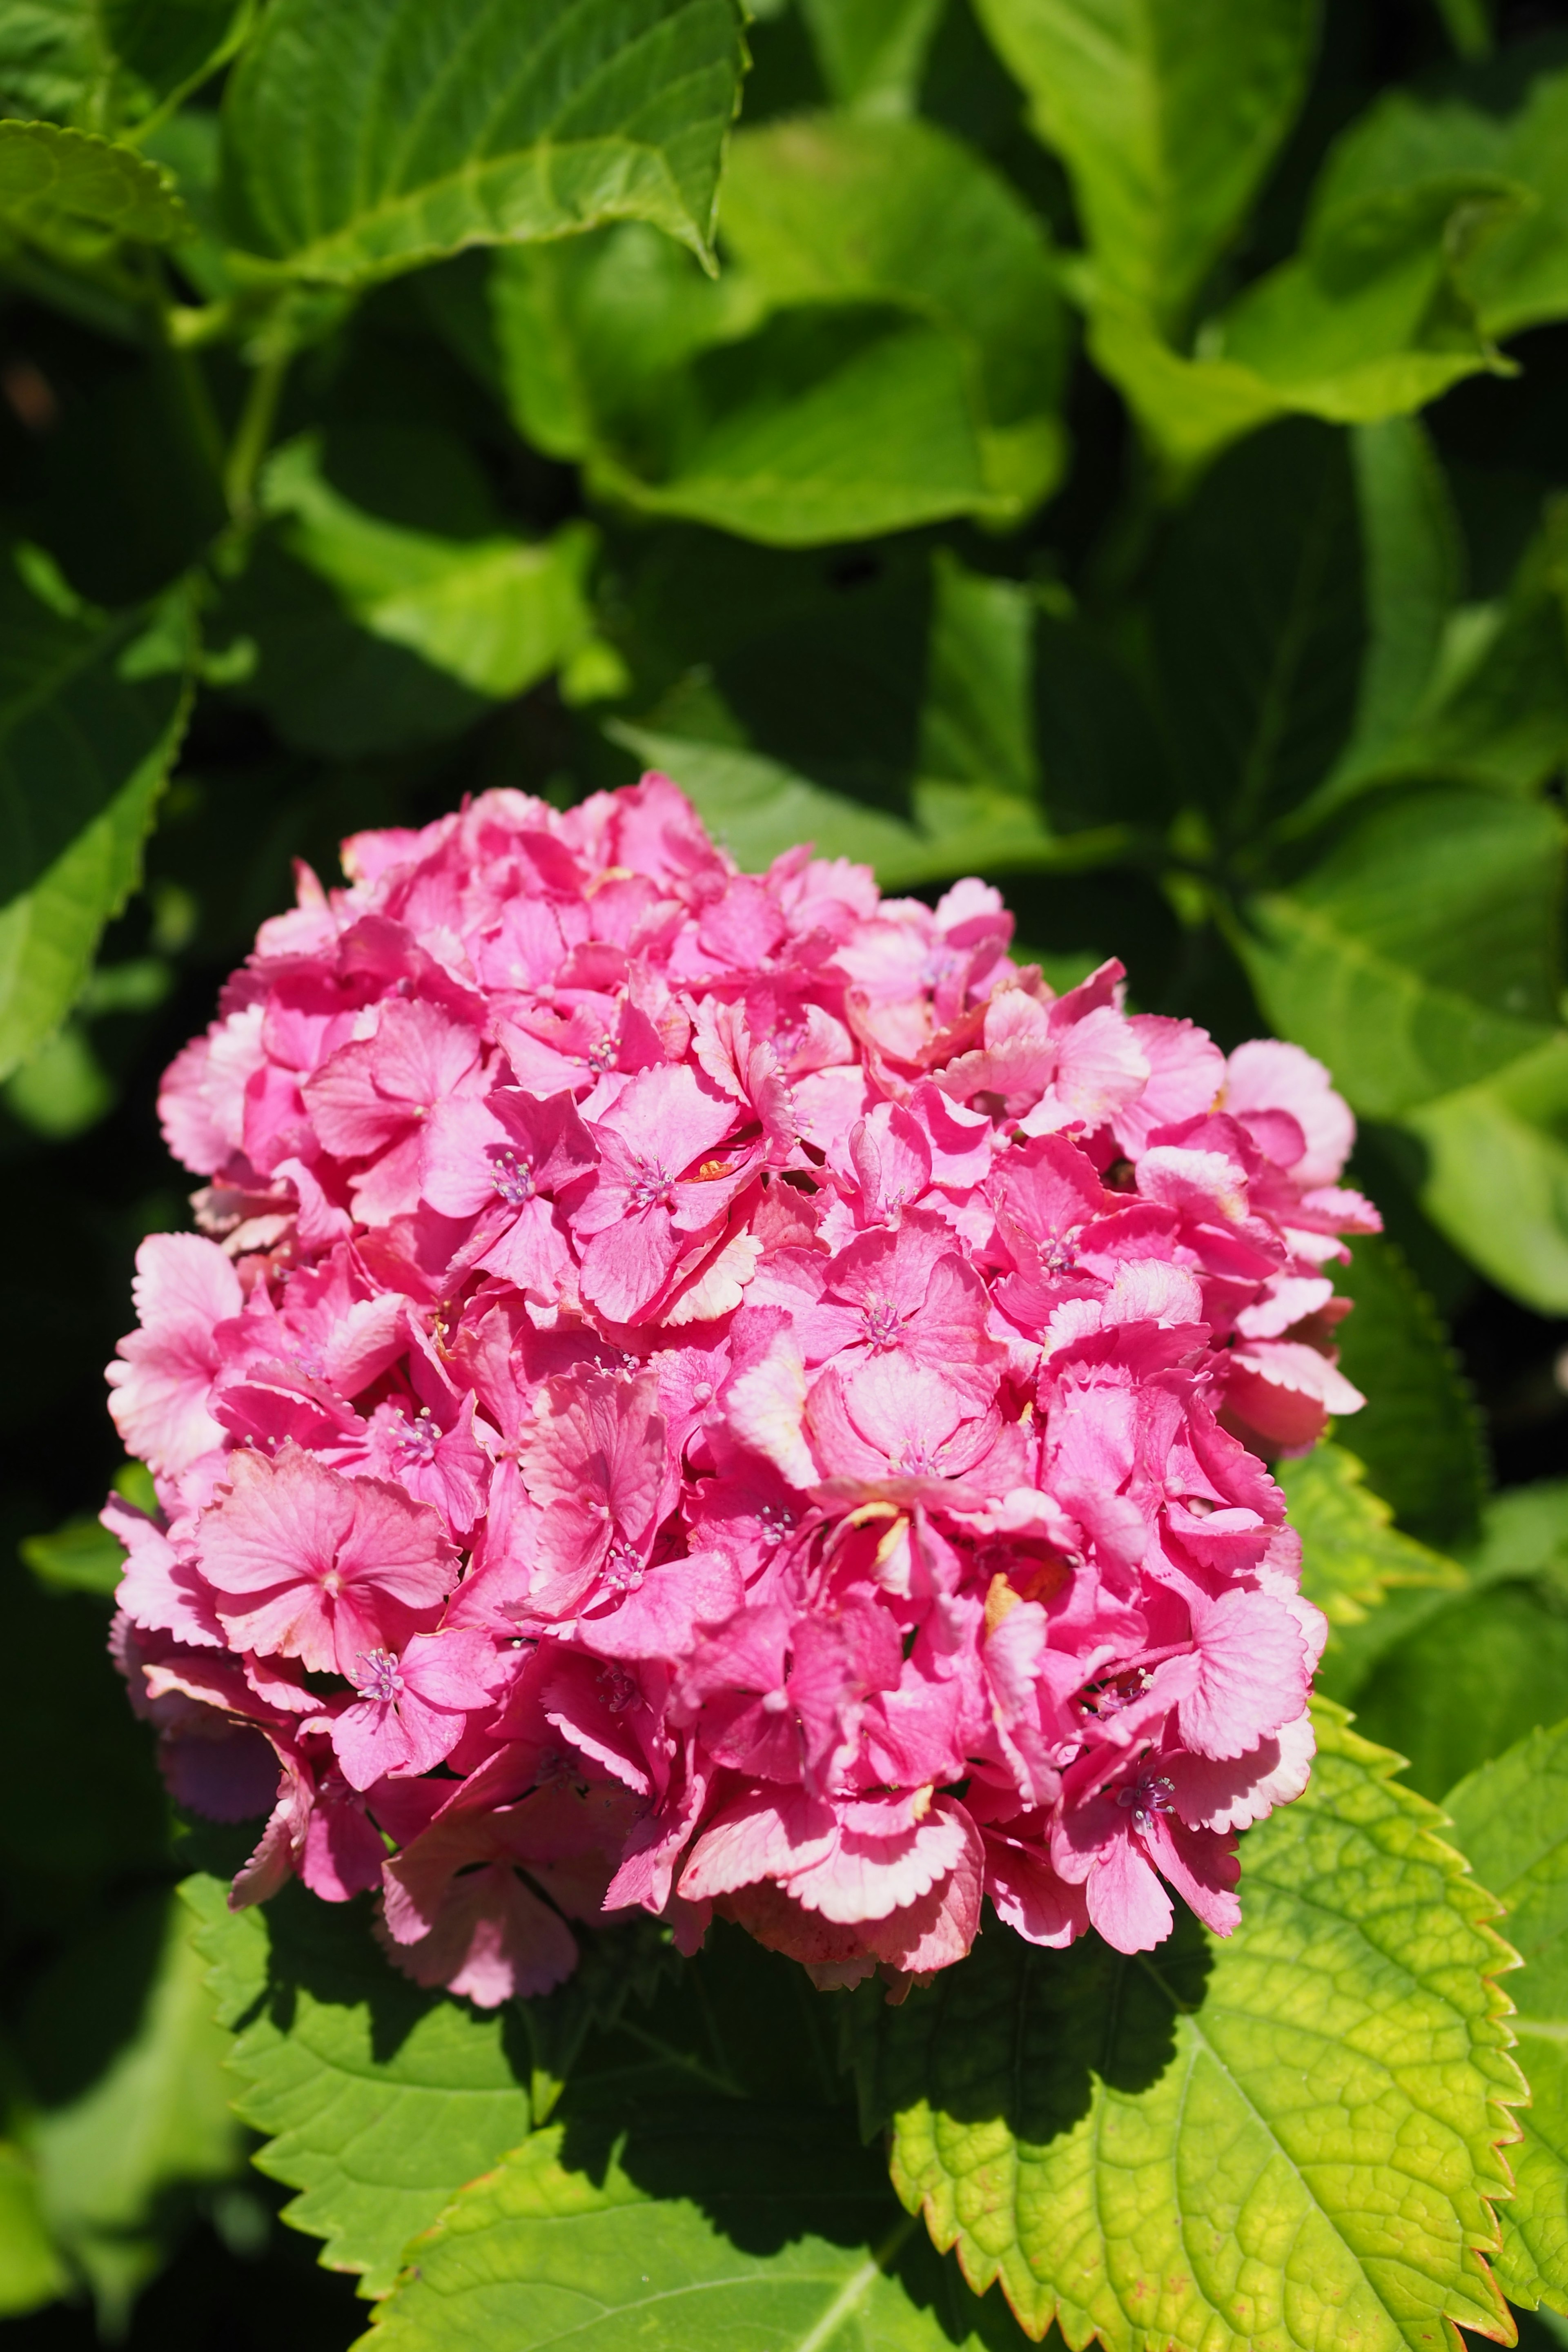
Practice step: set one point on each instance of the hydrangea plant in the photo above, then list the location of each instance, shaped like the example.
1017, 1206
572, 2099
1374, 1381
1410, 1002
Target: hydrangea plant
747, 1509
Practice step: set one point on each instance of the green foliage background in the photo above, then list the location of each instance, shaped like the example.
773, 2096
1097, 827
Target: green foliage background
1116, 446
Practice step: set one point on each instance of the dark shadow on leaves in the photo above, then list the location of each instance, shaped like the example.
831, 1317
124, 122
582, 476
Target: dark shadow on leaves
1016, 2034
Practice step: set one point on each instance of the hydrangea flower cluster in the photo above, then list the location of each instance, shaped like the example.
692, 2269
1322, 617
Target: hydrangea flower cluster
705, 1393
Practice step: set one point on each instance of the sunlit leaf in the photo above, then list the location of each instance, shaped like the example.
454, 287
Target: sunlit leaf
379, 2100
1270, 2141
872, 52
377, 134
1509, 118
1505, 1141
886, 348
1352, 1556
1167, 114
708, 2229
1511, 1818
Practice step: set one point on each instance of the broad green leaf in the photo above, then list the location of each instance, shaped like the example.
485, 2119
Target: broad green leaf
496, 612
1257, 620
1167, 115
101, 64
1464, 1685
1351, 1554
824, 210
1510, 119
759, 808
91, 182
379, 2100
117, 2150
1420, 954
91, 713
1410, 544
1369, 320
1495, 712
1283, 2140
370, 137
886, 349
976, 722
708, 2229
31, 2271
1524, 1542
371, 632
1511, 1817
1504, 1144
1418, 1433
871, 53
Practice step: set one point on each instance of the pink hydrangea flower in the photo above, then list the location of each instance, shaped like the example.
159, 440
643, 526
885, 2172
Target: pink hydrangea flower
722, 1393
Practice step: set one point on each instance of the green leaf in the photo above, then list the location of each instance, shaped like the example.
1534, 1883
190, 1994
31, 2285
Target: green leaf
79, 1557
759, 808
495, 612
1351, 1554
1505, 1141
91, 713
379, 2100
1463, 1684
1411, 552
871, 53
103, 63
1509, 120
977, 723
31, 2271
886, 349
1495, 713
45, 170
1420, 954
1283, 2140
1257, 621
1370, 319
824, 210
710, 2228
1511, 1818
1167, 115
1418, 1432
120, 2136
378, 134
1523, 1541
371, 632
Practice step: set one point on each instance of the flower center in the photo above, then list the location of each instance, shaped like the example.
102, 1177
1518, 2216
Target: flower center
650, 1185
511, 1175
416, 1442
880, 1321
380, 1679
623, 1566
774, 1523
1150, 1794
